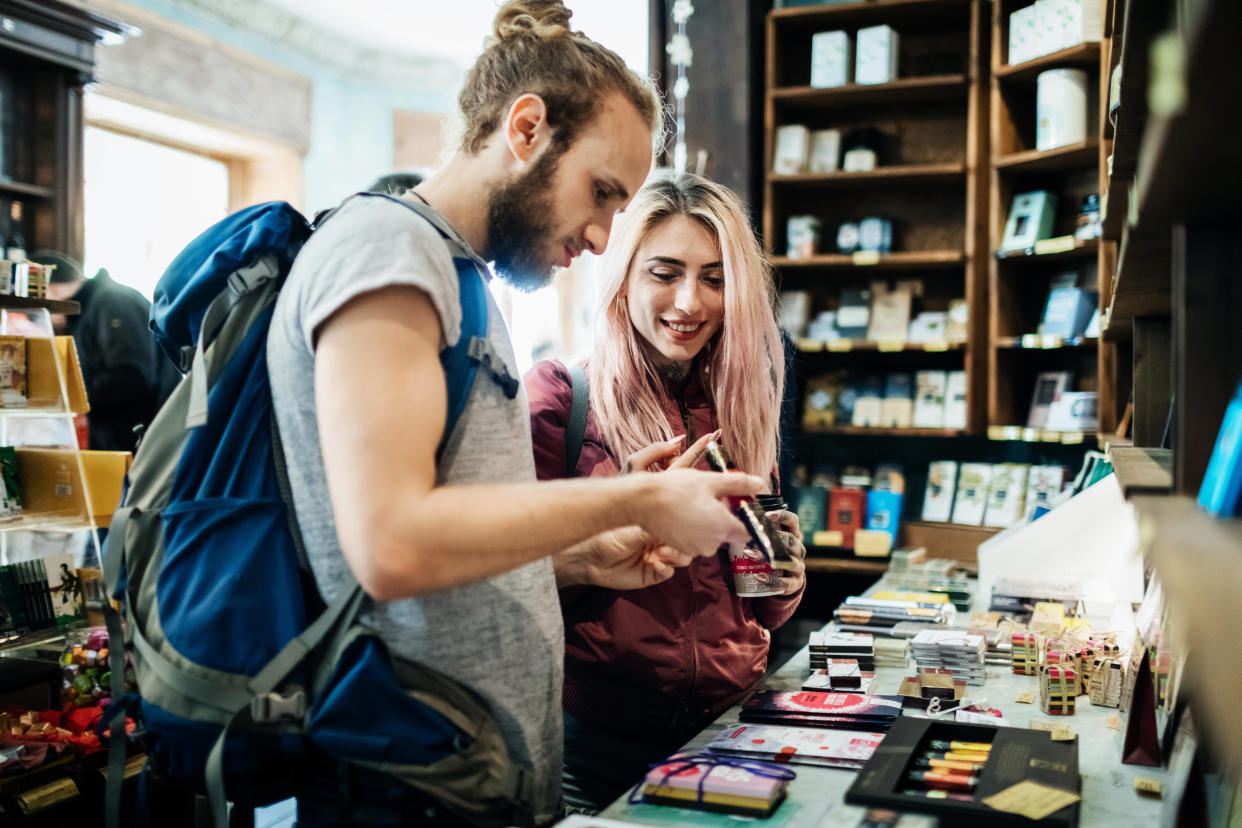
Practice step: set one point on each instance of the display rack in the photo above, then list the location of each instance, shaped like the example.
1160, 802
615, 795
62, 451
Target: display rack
1019, 280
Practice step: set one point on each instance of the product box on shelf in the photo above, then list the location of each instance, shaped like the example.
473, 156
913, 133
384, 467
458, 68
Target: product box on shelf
847, 511
897, 775
941, 483
793, 143
825, 150
831, 59
877, 55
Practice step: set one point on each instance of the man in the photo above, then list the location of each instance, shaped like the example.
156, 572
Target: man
455, 553
127, 377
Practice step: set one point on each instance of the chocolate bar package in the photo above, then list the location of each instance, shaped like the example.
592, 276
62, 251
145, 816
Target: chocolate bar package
822, 709
798, 745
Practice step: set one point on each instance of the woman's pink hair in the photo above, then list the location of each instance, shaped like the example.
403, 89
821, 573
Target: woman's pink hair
742, 368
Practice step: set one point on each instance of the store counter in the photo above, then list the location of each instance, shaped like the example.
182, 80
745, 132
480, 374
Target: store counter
816, 797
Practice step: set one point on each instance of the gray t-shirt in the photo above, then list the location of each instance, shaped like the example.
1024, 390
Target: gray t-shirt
501, 637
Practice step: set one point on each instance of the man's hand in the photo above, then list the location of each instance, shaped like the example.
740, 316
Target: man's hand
790, 530
621, 559
684, 509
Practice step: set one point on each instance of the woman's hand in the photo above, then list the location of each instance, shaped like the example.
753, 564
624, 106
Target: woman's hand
625, 558
790, 530
667, 455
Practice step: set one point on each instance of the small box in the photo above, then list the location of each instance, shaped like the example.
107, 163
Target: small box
802, 234
1058, 689
846, 512
928, 326
1017, 754
6, 289
854, 315
825, 150
1030, 219
868, 407
1068, 312
972, 493
955, 400
877, 55
1019, 44
956, 326
1043, 484
847, 237
875, 235
1006, 495
897, 408
1045, 28
820, 407
793, 143
795, 312
1024, 653
1074, 411
811, 506
884, 513
890, 312
930, 388
938, 497
831, 59
1048, 386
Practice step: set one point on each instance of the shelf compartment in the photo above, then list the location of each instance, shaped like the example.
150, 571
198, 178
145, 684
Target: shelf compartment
958, 541
1143, 471
908, 260
885, 432
1083, 55
905, 90
1071, 157
845, 346
1141, 284
845, 15
896, 174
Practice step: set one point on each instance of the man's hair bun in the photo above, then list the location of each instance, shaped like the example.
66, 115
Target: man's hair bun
530, 18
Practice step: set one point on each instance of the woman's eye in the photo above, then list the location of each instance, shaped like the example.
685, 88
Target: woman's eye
664, 275
601, 195
716, 282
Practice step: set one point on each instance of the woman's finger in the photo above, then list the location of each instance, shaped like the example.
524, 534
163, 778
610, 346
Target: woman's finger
693, 455
645, 458
786, 521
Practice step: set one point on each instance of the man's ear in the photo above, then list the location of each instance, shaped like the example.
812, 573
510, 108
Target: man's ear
526, 127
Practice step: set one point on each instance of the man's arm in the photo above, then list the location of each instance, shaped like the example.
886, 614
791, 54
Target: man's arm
381, 400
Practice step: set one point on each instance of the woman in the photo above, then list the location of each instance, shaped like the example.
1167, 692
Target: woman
687, 349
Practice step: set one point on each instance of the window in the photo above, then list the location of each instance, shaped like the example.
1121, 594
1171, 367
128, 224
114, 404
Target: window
144, 202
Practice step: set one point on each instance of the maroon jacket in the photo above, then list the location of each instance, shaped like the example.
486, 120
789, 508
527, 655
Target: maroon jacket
666, 660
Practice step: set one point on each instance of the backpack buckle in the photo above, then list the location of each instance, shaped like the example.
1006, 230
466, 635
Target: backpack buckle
480, 351
274, 707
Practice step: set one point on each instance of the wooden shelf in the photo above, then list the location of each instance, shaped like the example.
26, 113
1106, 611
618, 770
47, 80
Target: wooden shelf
1034, 342
18, 188
906, 90
843, 15
1023, 434
1084, 54
1143, 471
847, 346
1072, 157
1141, 284
817, 561
1082, 249
886, 432
51, 305
912, 260
896, 174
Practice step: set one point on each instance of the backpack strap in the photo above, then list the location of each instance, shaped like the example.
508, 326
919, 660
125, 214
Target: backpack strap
472, 350
575, 429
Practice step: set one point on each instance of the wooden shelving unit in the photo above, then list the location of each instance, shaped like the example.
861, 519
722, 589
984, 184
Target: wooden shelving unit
909, 260
1019, 280
897, 175
908, 90
1142, 471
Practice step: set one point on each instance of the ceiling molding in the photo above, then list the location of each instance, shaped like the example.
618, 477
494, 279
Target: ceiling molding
326, 47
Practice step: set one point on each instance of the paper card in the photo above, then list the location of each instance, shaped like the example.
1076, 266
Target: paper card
1025, 698
1147, 786
1031, 800
1061, 733
1048, 726
1113, 722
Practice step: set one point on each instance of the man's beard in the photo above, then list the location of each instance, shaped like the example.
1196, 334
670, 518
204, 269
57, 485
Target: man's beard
519, 225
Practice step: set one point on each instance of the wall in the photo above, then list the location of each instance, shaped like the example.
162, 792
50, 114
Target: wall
353, 92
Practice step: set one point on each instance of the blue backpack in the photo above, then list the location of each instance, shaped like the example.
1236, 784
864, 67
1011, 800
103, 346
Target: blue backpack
240, 667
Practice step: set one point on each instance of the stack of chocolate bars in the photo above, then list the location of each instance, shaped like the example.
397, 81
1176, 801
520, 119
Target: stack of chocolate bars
1024, 657
961, 653
809, 708
1058, 689
871, 614
831, 644
841, 674
727, 789
932, 683
891, 652
1107, 677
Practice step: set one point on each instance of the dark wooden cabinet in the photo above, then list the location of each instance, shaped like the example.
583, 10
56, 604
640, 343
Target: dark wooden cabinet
47, 55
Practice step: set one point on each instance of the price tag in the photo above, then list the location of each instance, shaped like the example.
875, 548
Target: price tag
1031, 799
1029, 341
936, 345
1048, 726
1025, 698
866, 257
889, 347
1063, 733
1030, 435
1057, 244
1151, 787
1113, 722
840, 345
810, 346
1047, 342
996, 432
1071, 438
830, 538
